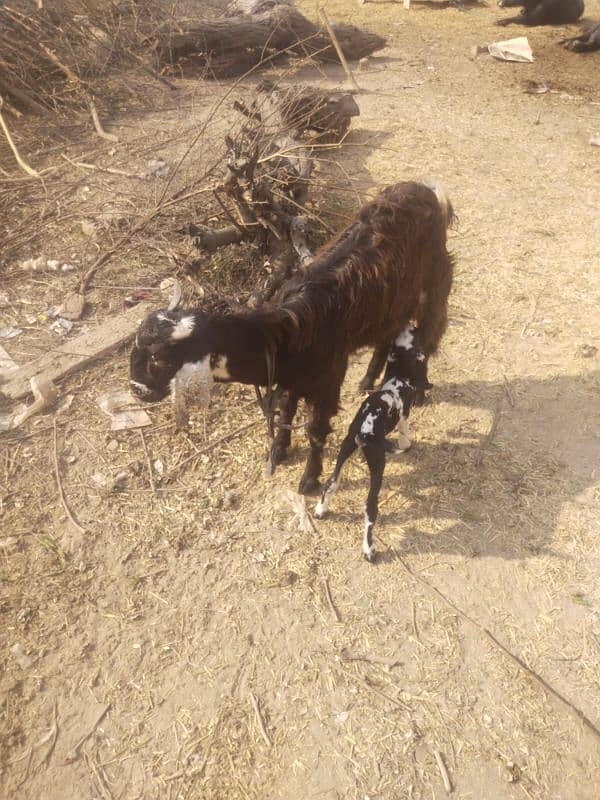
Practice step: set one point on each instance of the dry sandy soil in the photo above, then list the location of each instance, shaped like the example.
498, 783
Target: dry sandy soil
147, 636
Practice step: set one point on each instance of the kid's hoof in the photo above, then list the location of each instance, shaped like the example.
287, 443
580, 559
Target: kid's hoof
370, 555
309, 486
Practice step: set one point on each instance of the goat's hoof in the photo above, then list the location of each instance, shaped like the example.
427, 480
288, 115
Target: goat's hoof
309, 486
370, 555
320, 510
278, 454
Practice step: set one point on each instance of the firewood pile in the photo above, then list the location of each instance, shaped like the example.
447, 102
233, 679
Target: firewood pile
265, 196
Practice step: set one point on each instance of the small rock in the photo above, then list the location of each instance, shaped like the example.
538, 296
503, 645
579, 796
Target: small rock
20, 656
72, 306
52, 264
68, 268
159, 467
595, 140
112, 446
87, 228
588, 350
4, 299
156, 167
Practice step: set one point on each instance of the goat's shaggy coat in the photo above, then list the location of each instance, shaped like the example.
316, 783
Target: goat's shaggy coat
377, 417
388, 267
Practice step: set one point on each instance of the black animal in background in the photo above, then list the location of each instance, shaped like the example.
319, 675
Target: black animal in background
542, 12
586, 41
378, 415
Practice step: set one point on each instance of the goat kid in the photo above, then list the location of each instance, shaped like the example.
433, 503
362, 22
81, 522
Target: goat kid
542, 12
379, 414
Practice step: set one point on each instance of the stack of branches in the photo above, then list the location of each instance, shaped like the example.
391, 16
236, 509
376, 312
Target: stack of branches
255, 32
270, 165
55, 57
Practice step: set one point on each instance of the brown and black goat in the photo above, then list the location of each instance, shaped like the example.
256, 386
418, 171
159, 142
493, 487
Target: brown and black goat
388, 267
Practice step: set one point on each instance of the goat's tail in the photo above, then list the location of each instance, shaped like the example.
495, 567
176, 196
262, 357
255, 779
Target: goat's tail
444, 201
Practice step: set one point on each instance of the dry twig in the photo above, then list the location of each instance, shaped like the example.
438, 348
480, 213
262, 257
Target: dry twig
443, 771
148, 461
61, 493
333, 609
259, 720
98, 125
73, 754
338, 49
24, 166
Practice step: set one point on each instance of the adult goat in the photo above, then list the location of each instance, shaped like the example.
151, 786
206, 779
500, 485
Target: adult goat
388, 267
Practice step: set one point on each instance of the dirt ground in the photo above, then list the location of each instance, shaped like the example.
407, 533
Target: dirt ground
144, 643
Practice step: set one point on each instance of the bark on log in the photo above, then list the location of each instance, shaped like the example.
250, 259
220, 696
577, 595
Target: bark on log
231, 46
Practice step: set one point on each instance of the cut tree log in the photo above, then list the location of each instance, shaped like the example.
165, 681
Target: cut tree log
77, 353
230, 46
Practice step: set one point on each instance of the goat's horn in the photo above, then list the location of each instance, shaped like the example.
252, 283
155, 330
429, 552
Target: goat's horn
176, 296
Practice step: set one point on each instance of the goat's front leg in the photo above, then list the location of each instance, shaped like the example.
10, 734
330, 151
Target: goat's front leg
376, 365
318, 428
348, 447
288, 405
376, 460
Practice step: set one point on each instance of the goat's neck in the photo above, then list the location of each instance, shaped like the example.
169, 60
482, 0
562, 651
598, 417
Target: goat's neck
240, 348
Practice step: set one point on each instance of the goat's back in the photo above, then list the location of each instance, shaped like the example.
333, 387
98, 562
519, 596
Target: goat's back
367, 283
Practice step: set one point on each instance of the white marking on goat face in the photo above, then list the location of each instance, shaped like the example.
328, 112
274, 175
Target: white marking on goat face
406, 338
183, 328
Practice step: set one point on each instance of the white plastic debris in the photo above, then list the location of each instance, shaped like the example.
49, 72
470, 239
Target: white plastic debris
124, 411
595, 139
6, 365
512, 50
10, 332
156, 167
61, 326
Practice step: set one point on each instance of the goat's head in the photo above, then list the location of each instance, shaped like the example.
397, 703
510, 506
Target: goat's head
170, 348
407, 360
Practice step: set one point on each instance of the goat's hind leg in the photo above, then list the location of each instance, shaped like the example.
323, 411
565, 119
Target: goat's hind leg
376, 460
332, 485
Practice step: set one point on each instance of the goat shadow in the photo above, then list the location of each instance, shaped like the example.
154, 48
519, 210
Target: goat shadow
500, 494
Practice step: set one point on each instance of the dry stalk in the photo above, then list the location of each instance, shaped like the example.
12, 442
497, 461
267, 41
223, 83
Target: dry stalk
259, 720
62, 67
573, 709
443, 771
61, 493
384, 696
338, 49
148, 461
212, 445
98, 125
24, 166
332, 608
73, 754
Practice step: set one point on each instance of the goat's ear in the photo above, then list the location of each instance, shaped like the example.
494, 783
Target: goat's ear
165, 327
